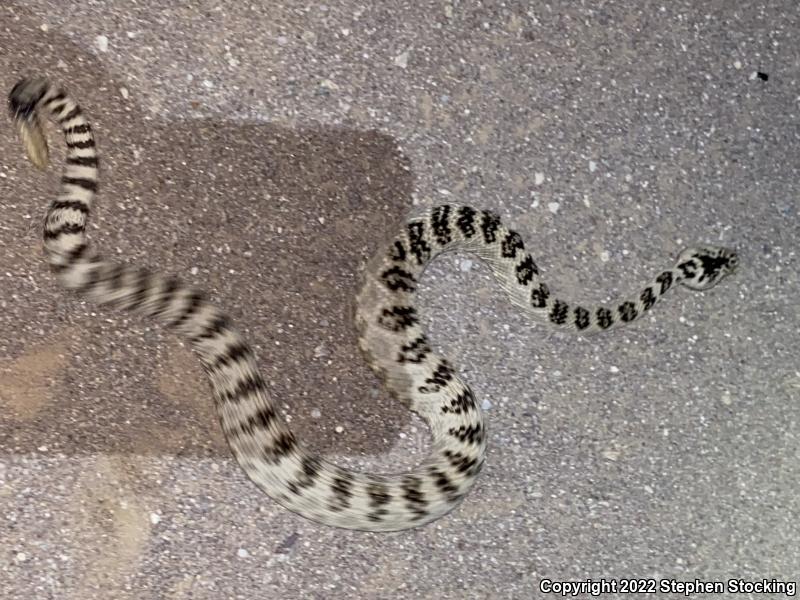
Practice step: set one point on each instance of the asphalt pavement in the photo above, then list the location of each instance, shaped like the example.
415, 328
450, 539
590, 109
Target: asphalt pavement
265, 150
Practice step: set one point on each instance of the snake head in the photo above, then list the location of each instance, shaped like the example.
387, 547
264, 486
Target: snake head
23, 104
25, 96
703, 267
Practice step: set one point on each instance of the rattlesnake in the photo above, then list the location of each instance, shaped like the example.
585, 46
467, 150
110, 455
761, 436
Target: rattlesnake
390, 335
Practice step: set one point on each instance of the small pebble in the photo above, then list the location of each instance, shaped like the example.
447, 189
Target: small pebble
155, 518
538, 178
466, 265
101, 42
614, 369
242, 553
339, 429
553, 207
328, 84
401, 60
